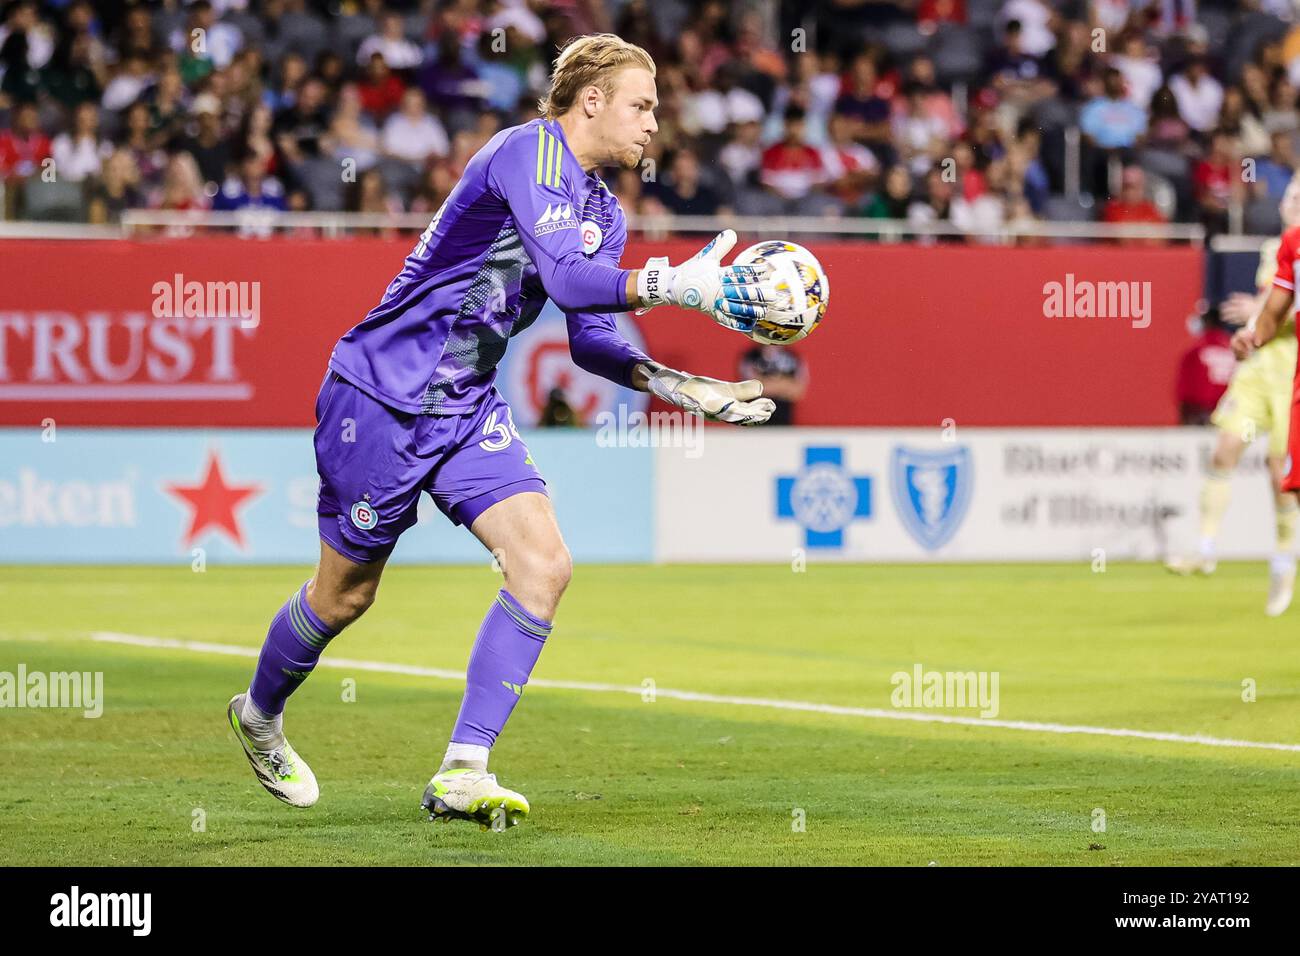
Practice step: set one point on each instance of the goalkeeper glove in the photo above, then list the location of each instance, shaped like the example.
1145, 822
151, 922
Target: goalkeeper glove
732, 295
735, 402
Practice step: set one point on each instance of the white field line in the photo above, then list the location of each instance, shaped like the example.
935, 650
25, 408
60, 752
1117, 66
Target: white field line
870, 713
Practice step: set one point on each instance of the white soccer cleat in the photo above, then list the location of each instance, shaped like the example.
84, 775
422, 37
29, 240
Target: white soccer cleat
475, 795
1281, 587
281, 771
1191, 565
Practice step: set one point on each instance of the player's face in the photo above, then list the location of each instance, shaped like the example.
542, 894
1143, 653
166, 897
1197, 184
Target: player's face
629, 120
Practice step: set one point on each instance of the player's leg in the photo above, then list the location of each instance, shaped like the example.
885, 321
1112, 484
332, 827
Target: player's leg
1282, 566
490, 484
368, 495
337, 594
1216, 491
522, 532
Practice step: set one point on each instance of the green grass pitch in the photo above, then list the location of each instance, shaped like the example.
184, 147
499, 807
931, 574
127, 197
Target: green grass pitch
615, 779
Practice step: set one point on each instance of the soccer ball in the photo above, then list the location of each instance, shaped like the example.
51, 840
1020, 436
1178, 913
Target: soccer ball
802, 291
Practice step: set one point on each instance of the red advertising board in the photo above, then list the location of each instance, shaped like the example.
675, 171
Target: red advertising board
225, 331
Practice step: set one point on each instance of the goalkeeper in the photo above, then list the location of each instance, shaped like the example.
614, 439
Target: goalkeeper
408, 405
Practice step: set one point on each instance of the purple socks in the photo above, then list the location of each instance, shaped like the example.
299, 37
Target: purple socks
293, 646
507, 647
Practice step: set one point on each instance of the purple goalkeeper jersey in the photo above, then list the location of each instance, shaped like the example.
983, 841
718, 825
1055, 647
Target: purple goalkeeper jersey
525, 223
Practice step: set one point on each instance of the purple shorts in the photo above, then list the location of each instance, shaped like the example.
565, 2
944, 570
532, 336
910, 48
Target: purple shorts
374, 461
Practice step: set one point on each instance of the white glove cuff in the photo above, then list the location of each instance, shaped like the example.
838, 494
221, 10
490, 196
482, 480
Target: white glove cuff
654, 281
663, 384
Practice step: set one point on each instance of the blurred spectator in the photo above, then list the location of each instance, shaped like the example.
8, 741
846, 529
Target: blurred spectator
352, 136
79, 153
1167, 130
23, 147
792, 168
934, 204
1017, 74
72, 76
864, 104
1140, 67
250, 188
149, 159
117, 191
557, 412
1027, 166
1132, 205
851, 168
209, 147
1238, 120
1199, 95
370, 194
1275, 170
1217, 181
381, 91
682, 191
436, 186
205, 43
450, 83
932, 12
1110, 120
1204, 371
784, 377
299, 129
893, 200
742, 156
1035, 18
921, 137
390, 43
182, 187
411, 134
129, 82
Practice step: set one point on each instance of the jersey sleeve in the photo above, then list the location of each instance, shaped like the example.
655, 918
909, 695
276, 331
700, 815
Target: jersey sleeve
1284, 278
594, 340
526, 172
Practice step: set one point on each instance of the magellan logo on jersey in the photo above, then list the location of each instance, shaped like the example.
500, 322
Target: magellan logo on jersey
556, 217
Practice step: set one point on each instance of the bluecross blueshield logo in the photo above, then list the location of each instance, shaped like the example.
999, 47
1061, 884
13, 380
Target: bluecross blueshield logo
931, 491
825, 498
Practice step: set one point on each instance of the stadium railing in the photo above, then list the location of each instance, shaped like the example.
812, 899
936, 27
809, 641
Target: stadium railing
339, 225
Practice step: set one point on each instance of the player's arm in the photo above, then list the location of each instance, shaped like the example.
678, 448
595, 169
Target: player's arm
525, 173
597, 346
1263, 328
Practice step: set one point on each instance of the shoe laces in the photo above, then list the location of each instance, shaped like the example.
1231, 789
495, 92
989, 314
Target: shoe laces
280, 764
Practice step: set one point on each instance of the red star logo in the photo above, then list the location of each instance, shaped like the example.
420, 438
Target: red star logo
213, 503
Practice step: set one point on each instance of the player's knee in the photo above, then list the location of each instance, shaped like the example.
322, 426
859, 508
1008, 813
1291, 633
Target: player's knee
544, 573
357, 599
341, 605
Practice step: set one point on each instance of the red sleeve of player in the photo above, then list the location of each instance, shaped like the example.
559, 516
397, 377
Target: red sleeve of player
1286, 255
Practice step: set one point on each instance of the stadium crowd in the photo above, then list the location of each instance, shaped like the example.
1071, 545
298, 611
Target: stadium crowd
974, 112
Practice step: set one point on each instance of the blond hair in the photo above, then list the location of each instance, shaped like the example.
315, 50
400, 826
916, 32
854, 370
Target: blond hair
590, 60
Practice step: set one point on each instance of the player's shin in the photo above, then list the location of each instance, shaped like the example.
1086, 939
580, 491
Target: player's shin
293, 645
1287, 513
1215, 495
508, 645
